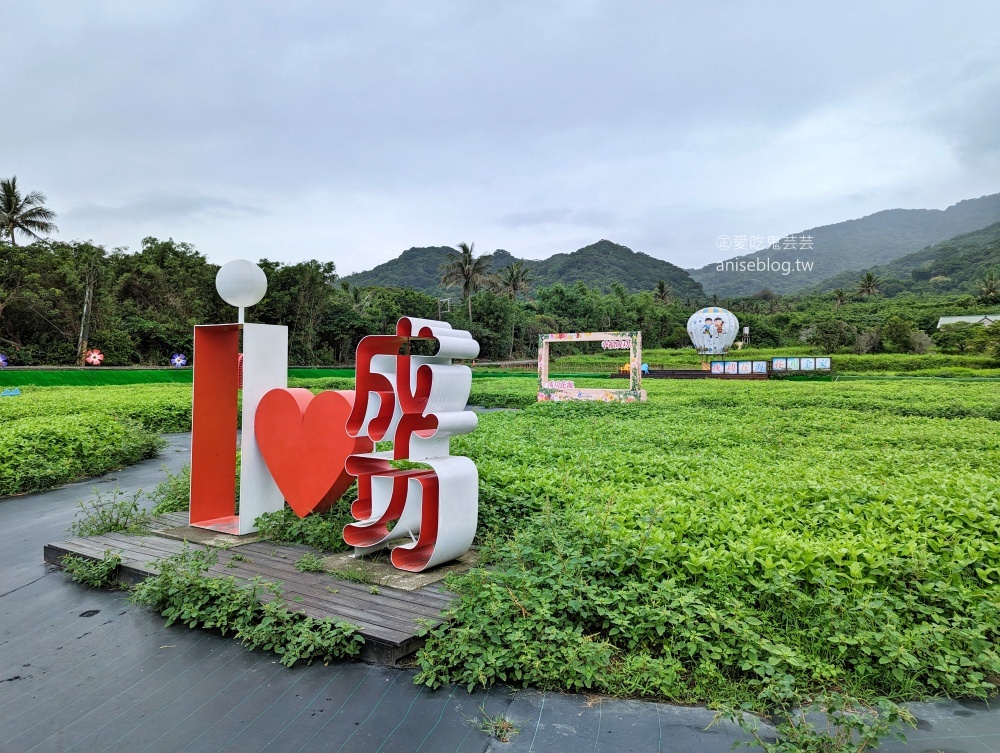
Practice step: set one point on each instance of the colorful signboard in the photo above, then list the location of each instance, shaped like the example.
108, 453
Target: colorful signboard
634, 393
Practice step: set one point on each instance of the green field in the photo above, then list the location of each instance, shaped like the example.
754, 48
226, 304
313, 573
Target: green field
728, 541
53, 435
737, 541
687, 358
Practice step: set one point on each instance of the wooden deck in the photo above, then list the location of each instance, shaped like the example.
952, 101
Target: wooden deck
389, 618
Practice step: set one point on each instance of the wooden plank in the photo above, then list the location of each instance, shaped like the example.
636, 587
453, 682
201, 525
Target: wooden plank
170, 520
285, 569
388, 620
282, 562
385, 602
392, 631
365, 612
127, 572
157, 545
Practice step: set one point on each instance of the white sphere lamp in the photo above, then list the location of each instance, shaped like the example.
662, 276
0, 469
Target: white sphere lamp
241, 283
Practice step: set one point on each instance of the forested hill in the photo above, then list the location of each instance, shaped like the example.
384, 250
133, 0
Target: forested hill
856, 244
600, 265
953, 266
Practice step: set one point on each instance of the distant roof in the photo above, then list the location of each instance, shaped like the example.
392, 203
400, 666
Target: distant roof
985, 319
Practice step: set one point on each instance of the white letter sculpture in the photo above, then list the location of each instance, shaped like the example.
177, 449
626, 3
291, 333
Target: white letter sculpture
417, 402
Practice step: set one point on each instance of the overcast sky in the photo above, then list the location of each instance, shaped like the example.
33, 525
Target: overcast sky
352, 131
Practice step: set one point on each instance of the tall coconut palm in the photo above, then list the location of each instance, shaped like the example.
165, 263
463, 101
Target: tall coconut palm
508, 283
511, 281
465, 270
662, 293
868, 284
23, 214
839, 298
988, 287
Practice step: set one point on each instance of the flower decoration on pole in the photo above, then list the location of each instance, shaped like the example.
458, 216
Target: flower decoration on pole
94, 357
178, 359
3, 361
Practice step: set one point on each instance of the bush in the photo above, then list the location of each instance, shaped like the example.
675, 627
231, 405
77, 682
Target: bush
849, 545
174, 494
93, 573
40, 452
109, 515
324, 531
182, 593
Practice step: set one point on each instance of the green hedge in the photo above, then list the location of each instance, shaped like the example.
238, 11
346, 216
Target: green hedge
102, 376
44, 451
893, 362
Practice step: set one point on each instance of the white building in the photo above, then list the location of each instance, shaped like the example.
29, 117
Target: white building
985, 319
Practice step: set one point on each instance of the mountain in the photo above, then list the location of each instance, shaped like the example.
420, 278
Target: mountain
953, 266
876, 239
599, 265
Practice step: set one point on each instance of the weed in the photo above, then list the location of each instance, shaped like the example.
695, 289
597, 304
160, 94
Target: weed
324, 531
106, 515
174, 494
355, 574
374, 590
309, 563
93, 573
498, 726
236, 559
847, 726
182, 593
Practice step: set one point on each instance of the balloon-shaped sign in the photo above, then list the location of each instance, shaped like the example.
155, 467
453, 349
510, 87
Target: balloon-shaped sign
712, 330
241, 283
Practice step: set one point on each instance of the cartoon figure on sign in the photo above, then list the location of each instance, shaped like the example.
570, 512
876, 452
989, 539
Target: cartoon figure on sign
712, 330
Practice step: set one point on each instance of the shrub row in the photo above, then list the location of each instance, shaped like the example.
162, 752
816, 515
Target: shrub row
44, 451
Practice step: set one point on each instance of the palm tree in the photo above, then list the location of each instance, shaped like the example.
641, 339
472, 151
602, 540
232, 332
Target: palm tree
24, 214
868, 284
359, 299
508, 282
839, 298
988, 287
511, 280
662, 293
465, 270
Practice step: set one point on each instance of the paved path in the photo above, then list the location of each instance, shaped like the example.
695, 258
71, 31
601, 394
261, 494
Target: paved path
83, 670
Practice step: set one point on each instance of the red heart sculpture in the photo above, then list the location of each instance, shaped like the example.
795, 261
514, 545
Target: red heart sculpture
305, 444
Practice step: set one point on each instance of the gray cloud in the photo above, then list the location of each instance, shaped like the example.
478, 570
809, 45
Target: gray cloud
162, 206
535, 217
538, 127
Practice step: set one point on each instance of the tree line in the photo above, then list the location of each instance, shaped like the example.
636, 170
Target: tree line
58, 299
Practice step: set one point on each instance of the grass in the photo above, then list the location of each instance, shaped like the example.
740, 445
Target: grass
498, 726
736, 543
